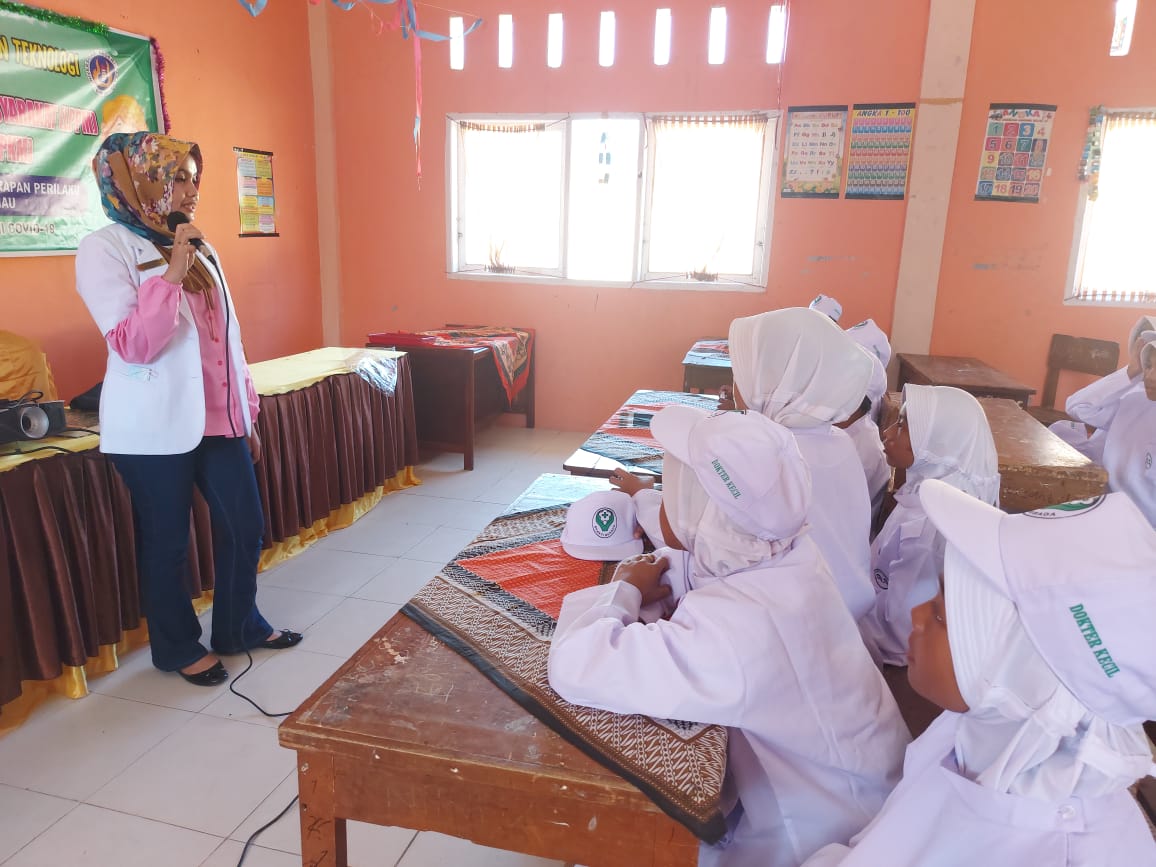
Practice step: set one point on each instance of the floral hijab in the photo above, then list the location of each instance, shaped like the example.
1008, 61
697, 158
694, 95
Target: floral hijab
135, 173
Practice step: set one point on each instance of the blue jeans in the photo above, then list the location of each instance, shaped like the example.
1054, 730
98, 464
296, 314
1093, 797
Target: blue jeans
161, 487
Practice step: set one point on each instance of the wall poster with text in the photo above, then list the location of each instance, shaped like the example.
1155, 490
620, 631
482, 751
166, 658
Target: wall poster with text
813, 152
1015, 152
879, 151
255, 201
65, 85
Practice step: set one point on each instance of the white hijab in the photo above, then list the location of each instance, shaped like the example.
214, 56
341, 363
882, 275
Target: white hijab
1024, 732
716, 545
798, 368
951, 440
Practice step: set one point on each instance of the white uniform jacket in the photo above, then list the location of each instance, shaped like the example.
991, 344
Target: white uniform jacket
816, 740
938, 818
864, 435
840, 513
156, 408
906, 562
1116, 405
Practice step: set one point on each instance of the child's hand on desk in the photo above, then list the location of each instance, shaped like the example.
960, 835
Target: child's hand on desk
629, 483
645, 572
726, 398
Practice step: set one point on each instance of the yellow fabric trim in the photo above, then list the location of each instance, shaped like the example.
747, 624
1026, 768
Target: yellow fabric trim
72, 444
73, 680
293, 372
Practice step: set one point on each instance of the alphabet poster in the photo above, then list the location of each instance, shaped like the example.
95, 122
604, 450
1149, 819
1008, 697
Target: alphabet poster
1015, 152
813, 153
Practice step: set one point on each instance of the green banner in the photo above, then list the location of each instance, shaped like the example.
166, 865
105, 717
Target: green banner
65, 85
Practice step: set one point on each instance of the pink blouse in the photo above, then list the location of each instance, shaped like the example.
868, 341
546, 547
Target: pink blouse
143, 334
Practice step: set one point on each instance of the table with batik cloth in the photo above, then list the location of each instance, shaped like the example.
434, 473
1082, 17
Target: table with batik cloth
707, 366
444, 721
624, 439
69, 599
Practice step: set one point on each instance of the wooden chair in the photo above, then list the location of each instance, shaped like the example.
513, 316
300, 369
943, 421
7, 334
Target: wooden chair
1081, 354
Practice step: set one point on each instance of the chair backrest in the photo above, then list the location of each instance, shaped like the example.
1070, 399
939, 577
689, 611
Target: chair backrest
1081, 354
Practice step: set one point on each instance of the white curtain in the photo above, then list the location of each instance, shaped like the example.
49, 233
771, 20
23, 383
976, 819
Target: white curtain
1119, 223
705, 201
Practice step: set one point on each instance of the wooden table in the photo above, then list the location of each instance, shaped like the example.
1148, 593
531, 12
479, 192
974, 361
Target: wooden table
705, 372
969, 374
409, 733
1036, 467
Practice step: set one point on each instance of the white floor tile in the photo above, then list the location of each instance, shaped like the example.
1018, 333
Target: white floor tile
441, 511
280, 684
324, 570
207, 775
138, 680
368, 845
229, 853
104, 838
24, 815
294, 609
72, 748
372, 535
438, 850
348, 626
441, 546
399, 582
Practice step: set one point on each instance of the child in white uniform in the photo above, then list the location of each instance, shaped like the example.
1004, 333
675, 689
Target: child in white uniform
1039, 647
1123, 405
761, 643
798, 368
942, 433
863, 427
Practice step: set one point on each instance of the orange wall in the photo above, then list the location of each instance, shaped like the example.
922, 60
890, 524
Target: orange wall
230, 80
596, 345
1005, 265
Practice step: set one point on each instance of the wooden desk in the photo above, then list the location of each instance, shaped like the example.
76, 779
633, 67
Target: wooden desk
969, 374
1036, 467
409, 733
708, 370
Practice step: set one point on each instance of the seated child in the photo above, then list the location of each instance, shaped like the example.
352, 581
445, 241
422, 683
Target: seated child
798, 368
1123, 405
1039, 647
864, 433
872, 338
942, 433
760, 643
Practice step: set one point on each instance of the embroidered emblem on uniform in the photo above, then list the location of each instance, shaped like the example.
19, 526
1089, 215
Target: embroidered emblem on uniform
604, 522
881, 579
1066, 510
1148, 461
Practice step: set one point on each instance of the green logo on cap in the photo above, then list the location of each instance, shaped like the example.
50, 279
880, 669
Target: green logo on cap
1066, 510
1092, 637
604, 523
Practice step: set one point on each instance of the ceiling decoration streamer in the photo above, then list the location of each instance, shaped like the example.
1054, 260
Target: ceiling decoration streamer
403, 19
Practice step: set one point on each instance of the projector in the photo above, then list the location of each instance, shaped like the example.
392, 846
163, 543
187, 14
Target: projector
30, 420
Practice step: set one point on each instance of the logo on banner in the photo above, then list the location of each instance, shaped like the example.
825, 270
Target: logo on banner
102, 72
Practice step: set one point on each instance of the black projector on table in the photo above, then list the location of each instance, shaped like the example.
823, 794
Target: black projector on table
30, 420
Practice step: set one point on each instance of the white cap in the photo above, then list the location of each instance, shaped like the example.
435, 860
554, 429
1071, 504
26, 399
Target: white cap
827, 304
1082, 577
871, 337
749, 466
601, 526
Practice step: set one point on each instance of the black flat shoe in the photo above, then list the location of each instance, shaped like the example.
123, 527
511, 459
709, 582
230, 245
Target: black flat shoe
287, 638
209, 677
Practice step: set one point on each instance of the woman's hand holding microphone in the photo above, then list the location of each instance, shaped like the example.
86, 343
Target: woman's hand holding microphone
183, 252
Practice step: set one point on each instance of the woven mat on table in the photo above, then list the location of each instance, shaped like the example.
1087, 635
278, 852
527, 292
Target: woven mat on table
496, 604
512, 351
709, 353
625, 436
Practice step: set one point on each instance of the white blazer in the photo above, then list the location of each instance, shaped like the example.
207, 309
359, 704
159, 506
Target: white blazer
815, 741
938, 818
156, 408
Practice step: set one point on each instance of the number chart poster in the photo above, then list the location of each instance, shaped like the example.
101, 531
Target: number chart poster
257, 206
1015, 152
813, 153
880, 150
65, 85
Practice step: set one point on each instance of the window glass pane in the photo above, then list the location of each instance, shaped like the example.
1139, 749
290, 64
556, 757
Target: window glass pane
606, 39
603, 198
776, 34
511, 194
1119, 230
705, 204
716, 51
457, 43
554, 40
505, 41
661, 37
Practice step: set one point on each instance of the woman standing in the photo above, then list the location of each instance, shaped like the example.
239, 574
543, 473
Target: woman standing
177, 407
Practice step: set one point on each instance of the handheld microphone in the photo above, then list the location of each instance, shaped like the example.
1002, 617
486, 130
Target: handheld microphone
174, 219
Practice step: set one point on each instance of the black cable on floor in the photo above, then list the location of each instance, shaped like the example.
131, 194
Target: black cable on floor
268, 824
232, 683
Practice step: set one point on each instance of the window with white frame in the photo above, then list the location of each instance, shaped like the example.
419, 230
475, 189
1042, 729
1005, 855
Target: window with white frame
1114, 230
672, 199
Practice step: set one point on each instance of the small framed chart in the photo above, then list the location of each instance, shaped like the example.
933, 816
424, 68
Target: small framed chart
257, 205
813, 152
879, 150
1014, 159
